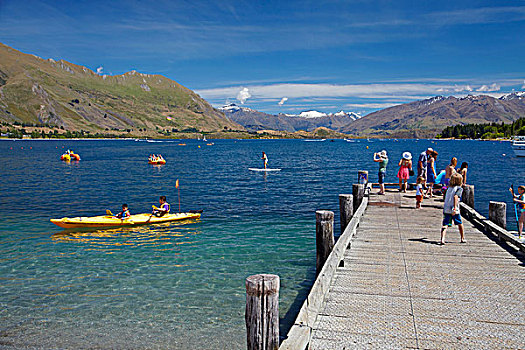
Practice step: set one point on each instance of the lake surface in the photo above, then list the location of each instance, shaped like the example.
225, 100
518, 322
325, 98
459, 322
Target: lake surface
181, 285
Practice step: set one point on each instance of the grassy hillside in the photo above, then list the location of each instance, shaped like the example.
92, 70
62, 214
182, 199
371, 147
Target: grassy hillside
72, 97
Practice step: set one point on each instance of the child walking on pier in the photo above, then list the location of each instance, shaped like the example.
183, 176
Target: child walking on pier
451, 207
419, 191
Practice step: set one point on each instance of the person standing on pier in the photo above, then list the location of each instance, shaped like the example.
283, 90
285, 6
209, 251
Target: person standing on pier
451, 207
419, 191
450, 170
422, 163
431, 173
265, 159
519, 200
463, 171
405, 165
382, 159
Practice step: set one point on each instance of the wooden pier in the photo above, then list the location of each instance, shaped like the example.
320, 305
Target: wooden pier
388, 284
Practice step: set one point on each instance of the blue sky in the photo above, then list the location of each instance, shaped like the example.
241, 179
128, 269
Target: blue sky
287, 56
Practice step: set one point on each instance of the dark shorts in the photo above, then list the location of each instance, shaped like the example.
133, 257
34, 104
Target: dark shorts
422, 173
448, 218
419, 198
381, 176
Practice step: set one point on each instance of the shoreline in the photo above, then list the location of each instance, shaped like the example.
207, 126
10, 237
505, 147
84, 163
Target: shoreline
259, 138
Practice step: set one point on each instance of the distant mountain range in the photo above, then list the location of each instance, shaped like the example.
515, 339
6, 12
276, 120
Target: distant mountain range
428, 117
425, 118
253, 120
38, 91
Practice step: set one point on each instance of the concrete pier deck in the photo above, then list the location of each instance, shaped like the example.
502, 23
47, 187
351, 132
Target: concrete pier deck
399, 289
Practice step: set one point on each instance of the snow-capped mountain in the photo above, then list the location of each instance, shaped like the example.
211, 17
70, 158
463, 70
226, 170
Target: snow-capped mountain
519, 95
307, 120
428, 117
316, 114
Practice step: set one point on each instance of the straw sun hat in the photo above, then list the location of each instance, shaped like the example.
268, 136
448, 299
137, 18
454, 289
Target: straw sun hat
407, 155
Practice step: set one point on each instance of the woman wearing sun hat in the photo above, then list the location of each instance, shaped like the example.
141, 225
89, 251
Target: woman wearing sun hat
382, 159
405, 164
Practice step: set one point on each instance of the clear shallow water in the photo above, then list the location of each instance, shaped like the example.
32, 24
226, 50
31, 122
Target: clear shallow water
181, 285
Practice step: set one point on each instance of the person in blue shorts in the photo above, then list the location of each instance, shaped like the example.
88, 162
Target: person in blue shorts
451, 207
382, 159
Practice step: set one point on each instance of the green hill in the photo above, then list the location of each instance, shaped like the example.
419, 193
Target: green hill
34, 91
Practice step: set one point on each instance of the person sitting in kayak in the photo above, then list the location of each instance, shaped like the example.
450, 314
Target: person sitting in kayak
124, 214
163, 209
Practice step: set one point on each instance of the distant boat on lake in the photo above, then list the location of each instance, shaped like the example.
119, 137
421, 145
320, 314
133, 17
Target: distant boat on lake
518, 145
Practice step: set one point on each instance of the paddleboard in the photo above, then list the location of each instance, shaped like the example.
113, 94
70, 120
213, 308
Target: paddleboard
262, 169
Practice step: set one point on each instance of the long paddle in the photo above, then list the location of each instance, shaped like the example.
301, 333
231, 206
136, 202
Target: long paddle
178, 190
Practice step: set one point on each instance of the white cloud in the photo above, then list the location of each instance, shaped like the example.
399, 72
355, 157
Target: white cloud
371, 96
461, 88
523, 86
276, 91
491, 87
371, 105
283, 100
100, 70
243, 95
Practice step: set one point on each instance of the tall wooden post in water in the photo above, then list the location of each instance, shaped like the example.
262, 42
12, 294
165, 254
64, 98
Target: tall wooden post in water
346, 210
498, 213
358, 192
262, 312
324, 236
468, 195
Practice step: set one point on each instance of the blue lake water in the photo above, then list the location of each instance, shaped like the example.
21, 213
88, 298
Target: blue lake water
181, 285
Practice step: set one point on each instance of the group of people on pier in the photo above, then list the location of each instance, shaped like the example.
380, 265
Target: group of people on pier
426, 171
451, 179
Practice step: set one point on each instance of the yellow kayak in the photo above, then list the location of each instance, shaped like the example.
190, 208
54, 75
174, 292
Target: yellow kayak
133, 220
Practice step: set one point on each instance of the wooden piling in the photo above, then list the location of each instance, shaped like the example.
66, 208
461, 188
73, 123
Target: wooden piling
358, 192
262, 312
324, 236
498, 213
362, 177
346, 210
468, 195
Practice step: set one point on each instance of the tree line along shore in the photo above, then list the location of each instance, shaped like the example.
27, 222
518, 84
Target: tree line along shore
488, 131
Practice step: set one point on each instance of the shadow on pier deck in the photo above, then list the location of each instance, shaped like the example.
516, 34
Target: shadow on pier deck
396, 288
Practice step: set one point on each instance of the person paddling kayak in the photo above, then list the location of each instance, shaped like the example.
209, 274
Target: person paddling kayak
163, 209
124, 214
